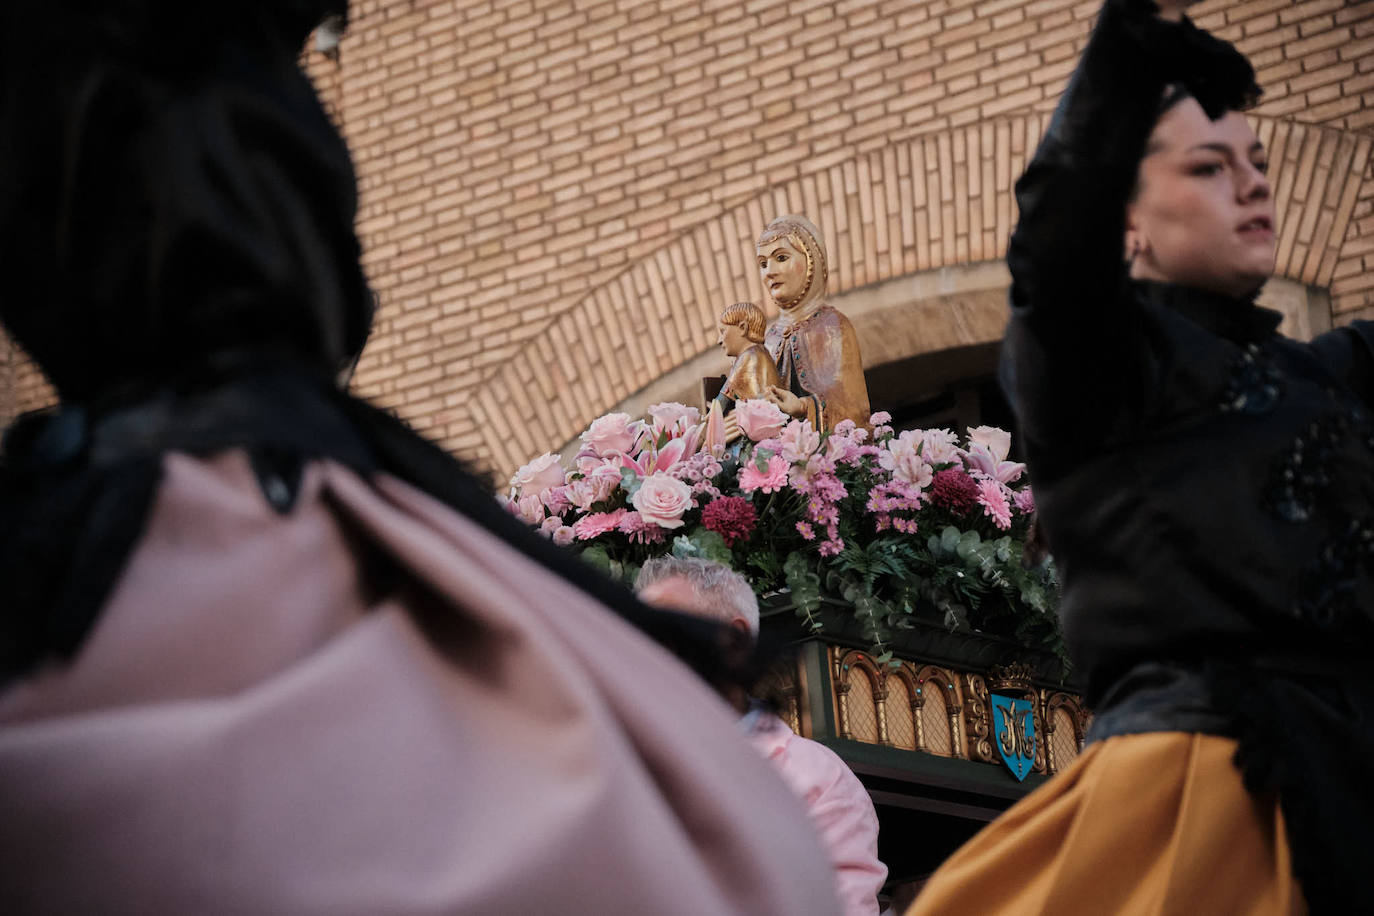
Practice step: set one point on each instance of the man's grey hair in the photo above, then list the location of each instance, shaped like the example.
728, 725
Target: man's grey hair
726, 593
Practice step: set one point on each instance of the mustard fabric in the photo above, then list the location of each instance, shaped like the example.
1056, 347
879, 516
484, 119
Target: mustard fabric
1147, 824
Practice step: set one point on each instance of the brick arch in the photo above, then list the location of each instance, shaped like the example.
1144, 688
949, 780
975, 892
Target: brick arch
936, 201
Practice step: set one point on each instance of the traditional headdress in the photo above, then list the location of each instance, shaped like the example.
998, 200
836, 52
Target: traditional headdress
805, 237
171, 192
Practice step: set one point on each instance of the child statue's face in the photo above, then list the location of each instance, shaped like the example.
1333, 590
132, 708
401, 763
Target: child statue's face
733, 340
783, 271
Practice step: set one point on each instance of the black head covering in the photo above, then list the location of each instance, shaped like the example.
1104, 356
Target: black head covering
176, 211
171, 190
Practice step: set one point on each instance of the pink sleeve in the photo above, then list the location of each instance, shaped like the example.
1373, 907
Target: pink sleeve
844, 816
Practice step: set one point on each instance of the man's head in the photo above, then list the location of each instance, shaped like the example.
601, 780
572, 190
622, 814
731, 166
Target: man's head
700, 587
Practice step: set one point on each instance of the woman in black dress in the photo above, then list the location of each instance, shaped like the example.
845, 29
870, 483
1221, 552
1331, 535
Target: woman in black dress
1207, 487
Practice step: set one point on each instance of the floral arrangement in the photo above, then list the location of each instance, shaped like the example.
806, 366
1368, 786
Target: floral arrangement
891, 527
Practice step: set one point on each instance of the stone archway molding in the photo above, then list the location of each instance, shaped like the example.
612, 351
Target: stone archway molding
899, 216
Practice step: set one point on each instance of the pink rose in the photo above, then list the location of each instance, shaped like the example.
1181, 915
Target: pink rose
759, 419
662, 499
612, 433
673, 416
537, 476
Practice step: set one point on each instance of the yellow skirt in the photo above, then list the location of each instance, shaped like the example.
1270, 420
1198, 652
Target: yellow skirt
1141, 824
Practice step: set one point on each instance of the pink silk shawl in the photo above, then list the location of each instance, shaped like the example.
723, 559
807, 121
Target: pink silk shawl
255, 726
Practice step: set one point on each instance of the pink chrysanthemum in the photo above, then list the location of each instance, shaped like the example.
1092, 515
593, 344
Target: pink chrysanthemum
807, 532
771, 480
1024, 501
596, 524
705, 489
994, 503
732, 517
954, 490
640, 531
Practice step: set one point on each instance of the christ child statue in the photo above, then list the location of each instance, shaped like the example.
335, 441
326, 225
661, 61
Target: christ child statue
754, 372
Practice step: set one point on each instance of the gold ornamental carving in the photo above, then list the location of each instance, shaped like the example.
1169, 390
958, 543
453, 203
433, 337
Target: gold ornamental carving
977, 719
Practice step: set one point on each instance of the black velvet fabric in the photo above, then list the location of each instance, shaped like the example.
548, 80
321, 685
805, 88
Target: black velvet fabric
176, 212
1206, 484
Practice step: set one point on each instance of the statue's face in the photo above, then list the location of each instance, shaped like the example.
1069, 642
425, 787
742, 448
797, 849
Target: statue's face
783, 271
733, 340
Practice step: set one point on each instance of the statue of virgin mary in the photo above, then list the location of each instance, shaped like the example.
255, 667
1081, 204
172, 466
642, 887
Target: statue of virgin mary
814, 345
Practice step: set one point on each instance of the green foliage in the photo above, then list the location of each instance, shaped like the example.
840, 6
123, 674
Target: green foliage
804, 585
704, 543
888, 560
621, 570
894, 557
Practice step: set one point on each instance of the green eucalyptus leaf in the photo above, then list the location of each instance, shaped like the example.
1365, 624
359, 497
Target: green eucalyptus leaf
968, 544
598, 557
804, 585
629, 482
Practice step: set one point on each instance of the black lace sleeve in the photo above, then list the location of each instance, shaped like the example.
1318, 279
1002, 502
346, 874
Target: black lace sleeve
1073, 349
1348, 353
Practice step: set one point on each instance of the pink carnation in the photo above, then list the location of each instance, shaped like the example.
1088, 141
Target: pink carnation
994, 503
596, 524
769, 480
732, 517
640, 530
556, 499
798, 441
1024, 501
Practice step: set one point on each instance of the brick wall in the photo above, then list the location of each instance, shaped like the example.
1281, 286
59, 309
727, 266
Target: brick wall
557, 197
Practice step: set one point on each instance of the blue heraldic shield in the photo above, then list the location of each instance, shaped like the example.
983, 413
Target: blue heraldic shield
1014, 730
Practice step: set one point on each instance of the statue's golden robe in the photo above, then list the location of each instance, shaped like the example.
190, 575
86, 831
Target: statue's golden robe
751, 376
818, 359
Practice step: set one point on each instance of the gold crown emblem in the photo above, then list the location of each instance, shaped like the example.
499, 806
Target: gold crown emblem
1011, 678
